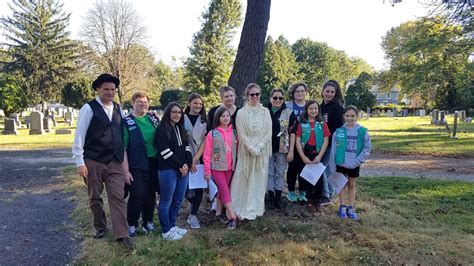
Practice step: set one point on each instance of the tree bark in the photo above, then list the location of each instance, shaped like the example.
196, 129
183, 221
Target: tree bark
250, 52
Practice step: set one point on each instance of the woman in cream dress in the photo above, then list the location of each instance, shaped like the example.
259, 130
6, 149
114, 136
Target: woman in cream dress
254, 130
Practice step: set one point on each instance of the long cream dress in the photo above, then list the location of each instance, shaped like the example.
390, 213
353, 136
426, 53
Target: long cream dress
254, 127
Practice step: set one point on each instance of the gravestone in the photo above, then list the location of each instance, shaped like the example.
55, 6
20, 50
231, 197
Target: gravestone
47, 124
36, 123
10, 127
28, 122
442, 117
390, 113
422, 112
462, 115
60, 112
369, 112
16, 117
63, 131
69, 118
404, 112
468, 120
2, 114
435, 116
53, 119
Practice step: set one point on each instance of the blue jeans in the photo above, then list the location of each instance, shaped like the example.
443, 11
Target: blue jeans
172, 190
328, 190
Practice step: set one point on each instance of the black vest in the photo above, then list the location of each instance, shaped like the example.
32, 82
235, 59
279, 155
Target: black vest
136, 150
104, 140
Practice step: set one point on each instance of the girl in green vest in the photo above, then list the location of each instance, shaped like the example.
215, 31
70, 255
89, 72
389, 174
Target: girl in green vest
312, 136
350, 148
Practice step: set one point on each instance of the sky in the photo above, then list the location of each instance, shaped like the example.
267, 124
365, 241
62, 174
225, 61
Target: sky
354, 26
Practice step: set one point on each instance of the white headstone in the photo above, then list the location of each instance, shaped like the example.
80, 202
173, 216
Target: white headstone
422, 112
36, 123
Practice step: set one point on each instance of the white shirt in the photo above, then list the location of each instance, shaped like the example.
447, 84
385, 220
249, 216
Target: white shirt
83, 121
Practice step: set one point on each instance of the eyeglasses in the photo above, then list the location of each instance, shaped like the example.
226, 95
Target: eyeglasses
278, 98
300, 91
254, 94
177, 112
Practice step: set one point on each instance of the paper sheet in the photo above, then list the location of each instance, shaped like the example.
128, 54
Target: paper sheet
312, 172
197, 180
212, 189
337, 181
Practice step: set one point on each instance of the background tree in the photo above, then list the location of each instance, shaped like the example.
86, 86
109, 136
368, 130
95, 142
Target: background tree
432, 59
172, 95
12, 96
78, 92
210, 63
359, 94
166, 78
250, 51
38, 44
319, 62
113, 29
279, 67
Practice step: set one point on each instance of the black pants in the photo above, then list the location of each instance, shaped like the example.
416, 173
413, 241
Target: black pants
142, 194
313, 193
293, 173
194, 196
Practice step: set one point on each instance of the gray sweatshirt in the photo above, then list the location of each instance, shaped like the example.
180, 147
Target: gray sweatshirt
351, 160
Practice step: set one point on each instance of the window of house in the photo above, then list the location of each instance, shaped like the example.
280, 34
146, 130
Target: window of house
388, 95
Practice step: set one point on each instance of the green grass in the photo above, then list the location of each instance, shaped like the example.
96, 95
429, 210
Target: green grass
402, 221
406, 135
415, 135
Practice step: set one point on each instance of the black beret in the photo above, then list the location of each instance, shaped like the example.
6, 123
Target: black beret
105, 78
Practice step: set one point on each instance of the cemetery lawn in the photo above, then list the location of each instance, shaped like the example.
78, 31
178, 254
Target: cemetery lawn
24, 141
402, 221
415, 135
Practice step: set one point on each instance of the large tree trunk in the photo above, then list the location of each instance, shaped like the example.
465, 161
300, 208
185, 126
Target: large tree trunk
250, 52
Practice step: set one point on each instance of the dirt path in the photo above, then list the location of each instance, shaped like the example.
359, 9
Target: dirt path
34, 209
419, 166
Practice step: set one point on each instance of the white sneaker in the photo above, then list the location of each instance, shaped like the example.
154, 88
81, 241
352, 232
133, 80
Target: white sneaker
179, 230
171, 235
193, 221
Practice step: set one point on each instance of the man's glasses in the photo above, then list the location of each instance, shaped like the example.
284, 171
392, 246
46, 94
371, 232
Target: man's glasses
254, 94
278, 98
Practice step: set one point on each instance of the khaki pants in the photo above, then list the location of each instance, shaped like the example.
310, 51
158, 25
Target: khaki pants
114, 178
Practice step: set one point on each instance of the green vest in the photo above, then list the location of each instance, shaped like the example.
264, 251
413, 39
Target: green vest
341, 143
318, 133
218, 158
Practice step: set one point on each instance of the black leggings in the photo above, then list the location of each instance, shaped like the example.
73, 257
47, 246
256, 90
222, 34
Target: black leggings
293, 173
313, 193
142, 194
194, 196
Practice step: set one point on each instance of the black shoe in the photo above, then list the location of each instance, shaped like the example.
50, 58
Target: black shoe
324, 201
271, 200
126, 242
99, 234
278, 199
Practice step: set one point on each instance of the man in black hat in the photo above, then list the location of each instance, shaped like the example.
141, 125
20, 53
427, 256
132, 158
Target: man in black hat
98, 150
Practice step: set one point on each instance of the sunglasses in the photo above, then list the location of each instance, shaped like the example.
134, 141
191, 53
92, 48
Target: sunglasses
254, 94
278, 98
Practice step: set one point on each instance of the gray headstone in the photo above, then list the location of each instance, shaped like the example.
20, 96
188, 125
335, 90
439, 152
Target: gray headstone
36, 123
69, 118
63, 131
60, 112
47, 122
422, 112
435, 116
17, 119
10, 127
455, 125
462, 115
